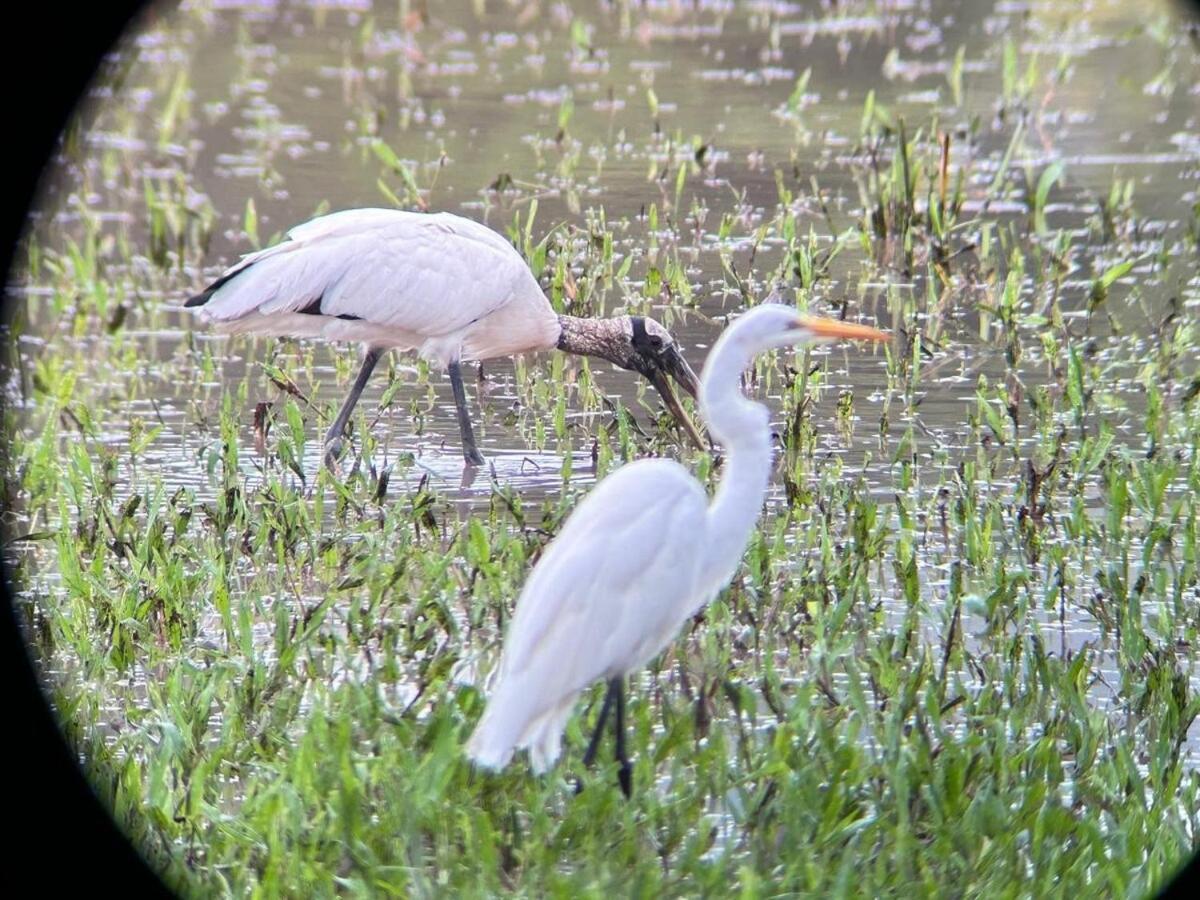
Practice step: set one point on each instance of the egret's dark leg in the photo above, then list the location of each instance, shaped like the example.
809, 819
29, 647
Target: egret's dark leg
470, 451
625, 770
333, 437
590, 754
594, 744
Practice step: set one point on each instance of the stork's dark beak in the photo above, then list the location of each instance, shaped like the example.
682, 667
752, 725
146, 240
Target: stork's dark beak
672, 363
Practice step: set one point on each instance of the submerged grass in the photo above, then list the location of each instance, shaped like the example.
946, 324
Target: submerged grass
304, 710
959, 656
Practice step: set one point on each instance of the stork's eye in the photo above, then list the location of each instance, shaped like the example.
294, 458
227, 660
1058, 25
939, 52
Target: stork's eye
656, 343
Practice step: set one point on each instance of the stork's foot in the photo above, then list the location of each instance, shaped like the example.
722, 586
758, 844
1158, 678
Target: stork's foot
473, 456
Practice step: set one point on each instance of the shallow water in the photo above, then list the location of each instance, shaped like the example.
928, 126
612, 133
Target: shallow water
284, 103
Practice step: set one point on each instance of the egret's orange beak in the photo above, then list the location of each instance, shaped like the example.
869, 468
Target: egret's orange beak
833, 329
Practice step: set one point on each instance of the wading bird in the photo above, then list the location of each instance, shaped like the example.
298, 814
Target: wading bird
444, 286
641, 554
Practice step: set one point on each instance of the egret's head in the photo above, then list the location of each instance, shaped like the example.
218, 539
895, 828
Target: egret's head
650, 350
777, 325
731, 417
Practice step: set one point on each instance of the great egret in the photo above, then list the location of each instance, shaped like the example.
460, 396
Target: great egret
642, 553
444, 286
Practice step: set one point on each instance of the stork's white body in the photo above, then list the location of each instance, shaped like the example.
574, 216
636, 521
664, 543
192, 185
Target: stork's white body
444, 286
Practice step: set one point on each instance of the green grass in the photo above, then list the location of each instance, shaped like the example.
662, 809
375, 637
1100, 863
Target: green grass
303, 715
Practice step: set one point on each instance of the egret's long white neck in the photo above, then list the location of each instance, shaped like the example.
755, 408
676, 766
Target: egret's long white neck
742, 428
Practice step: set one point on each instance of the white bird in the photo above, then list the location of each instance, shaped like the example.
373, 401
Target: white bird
641, 554
444, 286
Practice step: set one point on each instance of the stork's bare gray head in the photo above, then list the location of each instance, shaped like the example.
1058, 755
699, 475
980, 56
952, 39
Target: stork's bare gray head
655, 354
640, 345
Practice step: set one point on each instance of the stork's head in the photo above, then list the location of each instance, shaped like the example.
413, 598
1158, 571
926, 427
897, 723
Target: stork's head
651, 351
640, 345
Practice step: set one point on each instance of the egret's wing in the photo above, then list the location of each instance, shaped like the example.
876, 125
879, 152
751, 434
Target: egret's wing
610, 590
426, 275
607, 595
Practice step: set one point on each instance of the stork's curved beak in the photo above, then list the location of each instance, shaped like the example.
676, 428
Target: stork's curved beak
672, 364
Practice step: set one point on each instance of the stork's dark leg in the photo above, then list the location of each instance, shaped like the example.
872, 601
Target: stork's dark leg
333, 437
470, 451
625, 770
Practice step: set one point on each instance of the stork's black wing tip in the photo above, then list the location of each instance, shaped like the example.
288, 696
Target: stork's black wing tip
205, 295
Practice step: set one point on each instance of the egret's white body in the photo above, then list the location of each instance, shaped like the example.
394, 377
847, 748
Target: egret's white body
642, 553
584, 613
439, 284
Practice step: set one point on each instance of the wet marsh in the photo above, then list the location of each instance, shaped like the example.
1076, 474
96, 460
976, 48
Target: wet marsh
960, 655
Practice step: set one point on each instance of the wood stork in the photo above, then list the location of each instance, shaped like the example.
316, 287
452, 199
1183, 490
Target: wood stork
444, 286
641, 554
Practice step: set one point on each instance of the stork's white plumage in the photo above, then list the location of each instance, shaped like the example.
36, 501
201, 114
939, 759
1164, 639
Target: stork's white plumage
382, 276
439, 284
642, 553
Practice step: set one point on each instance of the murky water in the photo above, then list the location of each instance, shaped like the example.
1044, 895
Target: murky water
591, 111
279, 105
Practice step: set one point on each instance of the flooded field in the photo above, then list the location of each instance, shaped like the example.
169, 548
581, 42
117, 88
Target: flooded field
960, 655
